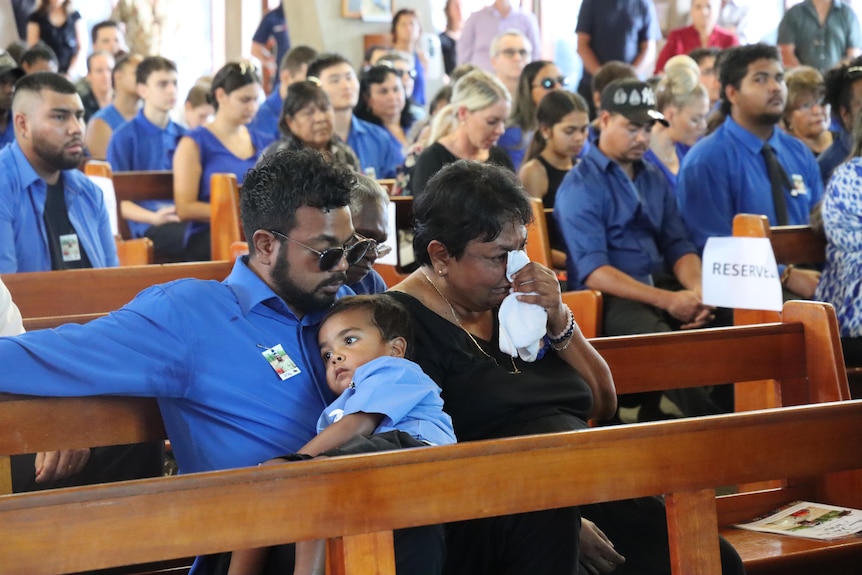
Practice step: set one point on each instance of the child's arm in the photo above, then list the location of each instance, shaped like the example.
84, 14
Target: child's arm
343, 430
248, 561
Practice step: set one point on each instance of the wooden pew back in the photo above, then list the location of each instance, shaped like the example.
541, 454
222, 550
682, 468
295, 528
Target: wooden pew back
225, 225
140, 186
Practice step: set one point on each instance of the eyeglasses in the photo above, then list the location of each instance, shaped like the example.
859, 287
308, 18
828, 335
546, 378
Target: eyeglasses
330, 257
512, 52
380, 250
550, 83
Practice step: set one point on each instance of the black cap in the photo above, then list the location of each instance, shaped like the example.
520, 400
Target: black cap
8, 65
633, 99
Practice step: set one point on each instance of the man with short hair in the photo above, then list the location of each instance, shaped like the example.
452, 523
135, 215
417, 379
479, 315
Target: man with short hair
98, 91
510, 52
107, 37
706, 63
844, 96
624, 234
819, 33
52, 216
728, 172
123, 108
369, 210
202, 347
272, 27
148, 142
480, 29
10, 73
378, 153
293, 69
39, 58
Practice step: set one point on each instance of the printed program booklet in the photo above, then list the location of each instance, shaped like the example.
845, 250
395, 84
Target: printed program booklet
810, 520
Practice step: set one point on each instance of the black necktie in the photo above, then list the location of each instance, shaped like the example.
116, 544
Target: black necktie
780, 182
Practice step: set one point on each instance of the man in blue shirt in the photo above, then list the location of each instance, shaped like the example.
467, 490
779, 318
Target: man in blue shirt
726, 173
623, 233
369, 210
147, 142
379, 154
272, 26
205, 349
9, 74
292, 69
844, 96
52, 217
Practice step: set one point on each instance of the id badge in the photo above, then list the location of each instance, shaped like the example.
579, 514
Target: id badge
280, 362
70, 248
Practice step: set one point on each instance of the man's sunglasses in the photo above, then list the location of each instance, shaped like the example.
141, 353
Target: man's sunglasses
550, 83
329, 258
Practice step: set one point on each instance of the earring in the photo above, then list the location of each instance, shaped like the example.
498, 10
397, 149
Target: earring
439, 272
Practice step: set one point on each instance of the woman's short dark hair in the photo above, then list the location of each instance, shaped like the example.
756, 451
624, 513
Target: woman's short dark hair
388, 315
378, 75
398, 15
299, 95
465, 201
232, 76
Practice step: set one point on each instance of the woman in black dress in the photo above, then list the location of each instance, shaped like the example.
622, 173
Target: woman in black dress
59, 26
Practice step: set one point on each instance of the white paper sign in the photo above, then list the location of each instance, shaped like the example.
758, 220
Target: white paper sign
741, 273
107, 187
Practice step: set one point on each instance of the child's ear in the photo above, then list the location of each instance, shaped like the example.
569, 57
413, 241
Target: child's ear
397, 347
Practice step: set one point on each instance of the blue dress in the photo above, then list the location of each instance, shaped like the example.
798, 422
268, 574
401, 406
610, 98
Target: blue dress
216, 159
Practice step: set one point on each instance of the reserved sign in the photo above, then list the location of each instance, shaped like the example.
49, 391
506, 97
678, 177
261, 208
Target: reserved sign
741, 273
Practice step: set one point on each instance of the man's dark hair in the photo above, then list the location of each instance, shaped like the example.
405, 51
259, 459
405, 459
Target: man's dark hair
839, 82
39, 81
699, 54
119, 64
389, 316
296, 57
152, 64
286, 180
734, 67
467, 201
38, 52
324, 61
94, 33
232, 76
97, 53
610, 71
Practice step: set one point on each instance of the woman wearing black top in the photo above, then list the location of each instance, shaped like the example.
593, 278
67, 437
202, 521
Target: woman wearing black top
59, 26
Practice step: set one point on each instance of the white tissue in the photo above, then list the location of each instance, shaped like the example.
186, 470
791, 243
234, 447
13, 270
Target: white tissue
522, 325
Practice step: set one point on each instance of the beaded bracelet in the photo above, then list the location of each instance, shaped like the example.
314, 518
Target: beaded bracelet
565, 334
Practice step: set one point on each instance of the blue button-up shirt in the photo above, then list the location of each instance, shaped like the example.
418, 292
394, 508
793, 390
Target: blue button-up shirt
375, 147
725, 174
265, 122
23, 235
608, 219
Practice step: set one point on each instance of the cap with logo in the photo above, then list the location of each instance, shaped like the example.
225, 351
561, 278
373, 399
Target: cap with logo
633, 99
8, 65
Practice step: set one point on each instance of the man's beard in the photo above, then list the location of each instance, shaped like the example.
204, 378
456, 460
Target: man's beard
56, 156
303, 301
768, 119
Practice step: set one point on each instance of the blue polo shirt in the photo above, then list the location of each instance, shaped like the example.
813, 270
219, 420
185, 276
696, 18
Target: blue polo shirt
375, 148
725, 174
617, 27
834, 155
23, 236
274, 25
607, 219
141, 145
265, 122
399, 390
111, 116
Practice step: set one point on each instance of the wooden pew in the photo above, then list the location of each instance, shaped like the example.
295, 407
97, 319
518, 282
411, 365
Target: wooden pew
802, 353
225, 225
71, 292
165, 518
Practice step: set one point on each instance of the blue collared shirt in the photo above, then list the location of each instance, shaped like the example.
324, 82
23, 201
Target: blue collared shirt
23, 236
607, 219
725, 174
265, 122
196, 346
8, 135
834, 155
375, 147
141, 145
618, 27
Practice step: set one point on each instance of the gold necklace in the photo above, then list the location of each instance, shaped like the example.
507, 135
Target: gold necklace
470, 335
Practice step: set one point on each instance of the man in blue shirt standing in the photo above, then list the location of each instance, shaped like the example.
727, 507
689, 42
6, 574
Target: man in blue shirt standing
147, 142
272, 26
206, 349
52, 217
623, 233
379, 154
727, 172
10, 73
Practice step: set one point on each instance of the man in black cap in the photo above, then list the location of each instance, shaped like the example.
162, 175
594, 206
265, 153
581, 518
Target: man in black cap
9, 74
623, 232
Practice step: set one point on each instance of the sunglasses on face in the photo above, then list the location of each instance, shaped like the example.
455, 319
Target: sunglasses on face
378, 249
550, 83
329, 258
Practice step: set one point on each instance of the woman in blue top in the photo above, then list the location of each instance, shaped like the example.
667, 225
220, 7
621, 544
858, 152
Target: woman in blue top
685, 104
58, 25
382, 102
223, 145
406, 33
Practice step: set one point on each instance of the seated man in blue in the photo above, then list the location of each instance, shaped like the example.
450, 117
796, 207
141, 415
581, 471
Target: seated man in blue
369, 210
625, 237
385, 401
122, 109
378, 153
749, 165
201, 347
51, 217
9, 74
145, 143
